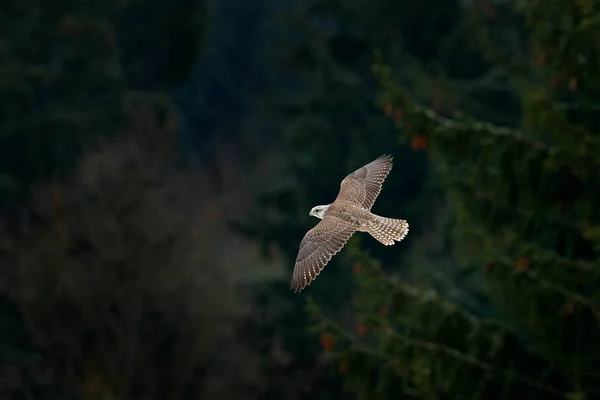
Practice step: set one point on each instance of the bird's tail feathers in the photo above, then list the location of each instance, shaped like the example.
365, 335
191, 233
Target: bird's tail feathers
388, 230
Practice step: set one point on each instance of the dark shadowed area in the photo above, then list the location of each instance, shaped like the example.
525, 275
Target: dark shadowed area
158, 161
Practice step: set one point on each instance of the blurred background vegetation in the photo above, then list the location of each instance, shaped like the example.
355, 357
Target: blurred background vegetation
159, 159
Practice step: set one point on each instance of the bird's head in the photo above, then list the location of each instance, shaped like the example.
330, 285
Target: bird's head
318, 211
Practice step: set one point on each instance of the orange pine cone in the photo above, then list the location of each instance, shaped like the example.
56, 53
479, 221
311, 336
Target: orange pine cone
387, 108
570, 307
573, 83
541, 59
326, 341
361, 330
523, 263
418, 143
398, 115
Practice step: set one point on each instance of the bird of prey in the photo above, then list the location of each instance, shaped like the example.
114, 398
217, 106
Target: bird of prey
350, 212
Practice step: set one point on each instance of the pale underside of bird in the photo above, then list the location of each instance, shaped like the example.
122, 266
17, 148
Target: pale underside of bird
349, 212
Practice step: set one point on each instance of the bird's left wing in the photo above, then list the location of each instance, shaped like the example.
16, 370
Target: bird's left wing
318, 246
364, 185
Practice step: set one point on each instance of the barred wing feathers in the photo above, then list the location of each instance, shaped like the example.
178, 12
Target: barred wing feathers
364, 185
317, 248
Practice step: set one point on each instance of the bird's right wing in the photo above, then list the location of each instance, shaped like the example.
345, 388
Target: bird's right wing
364, 185
318, 246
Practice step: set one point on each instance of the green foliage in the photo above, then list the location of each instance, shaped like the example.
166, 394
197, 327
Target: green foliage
59, 83
66, 68
334, 124
160, 41
523, 202
411, 341
65, 81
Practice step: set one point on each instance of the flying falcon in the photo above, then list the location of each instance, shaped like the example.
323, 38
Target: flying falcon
350, 212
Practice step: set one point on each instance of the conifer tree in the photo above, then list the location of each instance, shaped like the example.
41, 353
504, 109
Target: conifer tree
60, 82
66, 72
66, 68
522, 200
334, 125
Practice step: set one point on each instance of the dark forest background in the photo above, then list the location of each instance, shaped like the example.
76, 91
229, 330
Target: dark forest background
158, 160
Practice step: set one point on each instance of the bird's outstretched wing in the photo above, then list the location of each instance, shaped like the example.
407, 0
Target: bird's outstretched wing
364, 185
318, 246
